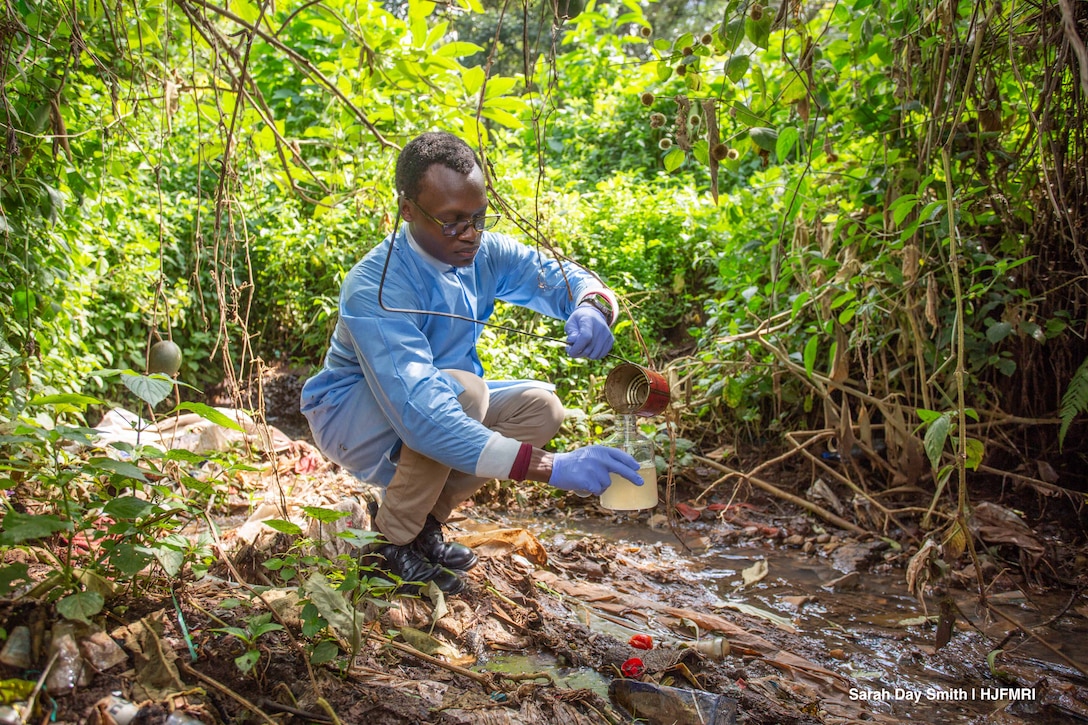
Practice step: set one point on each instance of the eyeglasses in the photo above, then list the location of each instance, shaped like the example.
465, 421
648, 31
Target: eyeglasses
480, 222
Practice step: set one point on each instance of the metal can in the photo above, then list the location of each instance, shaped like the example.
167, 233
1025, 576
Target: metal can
631, 388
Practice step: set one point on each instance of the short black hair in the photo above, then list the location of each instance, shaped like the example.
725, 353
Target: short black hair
426, 150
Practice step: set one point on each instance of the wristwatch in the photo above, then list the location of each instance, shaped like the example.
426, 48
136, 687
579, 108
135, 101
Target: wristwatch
602, 304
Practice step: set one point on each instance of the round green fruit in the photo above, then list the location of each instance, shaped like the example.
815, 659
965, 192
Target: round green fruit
165, 358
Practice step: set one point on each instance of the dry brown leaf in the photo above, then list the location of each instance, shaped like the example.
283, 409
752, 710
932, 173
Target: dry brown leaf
504, 542
918, 570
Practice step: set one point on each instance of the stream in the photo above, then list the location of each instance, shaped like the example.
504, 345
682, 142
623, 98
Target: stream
864, 626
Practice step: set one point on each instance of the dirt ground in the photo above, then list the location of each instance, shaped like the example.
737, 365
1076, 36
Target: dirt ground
548, 631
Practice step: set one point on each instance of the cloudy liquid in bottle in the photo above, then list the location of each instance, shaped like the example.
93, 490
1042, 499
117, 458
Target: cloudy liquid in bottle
623, 495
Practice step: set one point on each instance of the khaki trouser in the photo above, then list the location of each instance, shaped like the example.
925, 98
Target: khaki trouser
424, 486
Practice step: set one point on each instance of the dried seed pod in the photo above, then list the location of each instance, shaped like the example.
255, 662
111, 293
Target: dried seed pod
657, 120
734, 154
720, 152
647, 98
694, 120
756, 12
646, 31
707, 39
687, 50
681, 70
683, 109
665, 144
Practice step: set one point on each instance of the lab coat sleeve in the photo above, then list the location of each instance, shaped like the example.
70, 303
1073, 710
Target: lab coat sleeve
419, 402
534, 279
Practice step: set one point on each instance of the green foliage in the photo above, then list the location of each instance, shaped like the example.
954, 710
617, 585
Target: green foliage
117, 508
255, 626
1074, 400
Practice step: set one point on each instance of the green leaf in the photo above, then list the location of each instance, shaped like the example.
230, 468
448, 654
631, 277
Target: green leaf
126, 507
935, 438
458, 49
976, 450
129, 559
811, 347
736, 67
264, 628
674, 159
209, 414
763, 137
11, 575
121, 468
759, 31
20, 527
504, 117
1074, 400
927, 416
787, 139
323, 652
152, 389
732, 33
324, 515
81, 606
335, 608
234, 632
73, 399
473, 78
284, 527
171, 560
745, 116
998, 332
902, 207
246, 662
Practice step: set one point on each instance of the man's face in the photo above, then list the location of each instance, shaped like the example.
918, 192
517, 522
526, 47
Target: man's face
448, 196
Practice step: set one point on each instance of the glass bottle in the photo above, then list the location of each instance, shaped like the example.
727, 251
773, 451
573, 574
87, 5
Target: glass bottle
624, 495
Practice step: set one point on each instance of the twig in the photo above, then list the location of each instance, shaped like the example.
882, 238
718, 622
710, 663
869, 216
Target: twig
797, 500
1069, 25
1036, 482
483, 679
853, 486
1057, 653
328, 709
249, 706
38, 687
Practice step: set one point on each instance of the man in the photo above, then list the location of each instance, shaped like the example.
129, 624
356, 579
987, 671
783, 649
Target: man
400, 401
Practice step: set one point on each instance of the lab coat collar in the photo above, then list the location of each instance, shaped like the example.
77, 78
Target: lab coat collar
439, 266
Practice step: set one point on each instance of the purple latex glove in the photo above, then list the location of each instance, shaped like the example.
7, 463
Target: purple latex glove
590, 468
588, 334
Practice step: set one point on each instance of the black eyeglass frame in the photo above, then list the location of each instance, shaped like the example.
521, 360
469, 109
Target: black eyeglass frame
480, 222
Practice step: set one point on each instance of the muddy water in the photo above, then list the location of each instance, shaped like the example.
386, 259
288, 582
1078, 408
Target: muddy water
867, 627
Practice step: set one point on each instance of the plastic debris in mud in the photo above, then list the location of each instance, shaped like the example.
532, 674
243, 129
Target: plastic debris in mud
660, 704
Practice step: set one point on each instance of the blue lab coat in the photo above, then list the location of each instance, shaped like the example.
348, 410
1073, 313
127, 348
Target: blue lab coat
381, 385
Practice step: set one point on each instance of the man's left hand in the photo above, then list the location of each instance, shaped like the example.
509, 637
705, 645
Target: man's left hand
588, 334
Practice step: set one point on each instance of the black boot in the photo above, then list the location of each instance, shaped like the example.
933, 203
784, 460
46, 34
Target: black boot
434, 546
411, 566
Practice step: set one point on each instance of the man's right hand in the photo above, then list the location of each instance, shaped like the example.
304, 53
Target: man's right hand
590, 468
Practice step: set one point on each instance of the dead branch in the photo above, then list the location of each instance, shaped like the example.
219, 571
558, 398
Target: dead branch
775, 491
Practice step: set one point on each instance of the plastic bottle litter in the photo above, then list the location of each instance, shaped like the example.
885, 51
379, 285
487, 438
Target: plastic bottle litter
713, 647
116, 710
16, 652
69, 669
10, 716
655, 703
101, 651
